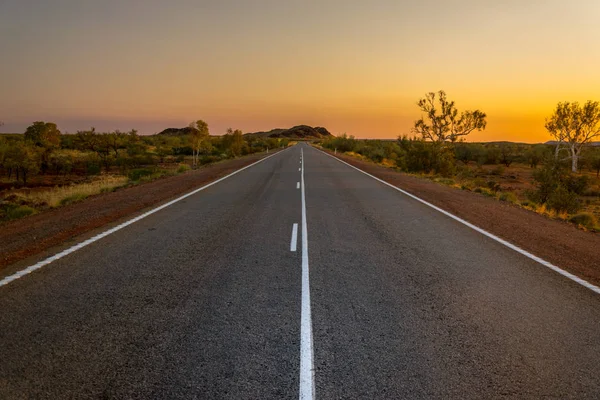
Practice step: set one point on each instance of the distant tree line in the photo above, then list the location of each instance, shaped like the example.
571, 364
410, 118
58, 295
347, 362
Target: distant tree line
437, 147
43, 149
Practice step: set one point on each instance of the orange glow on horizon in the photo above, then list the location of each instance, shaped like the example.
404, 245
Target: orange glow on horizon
153, 65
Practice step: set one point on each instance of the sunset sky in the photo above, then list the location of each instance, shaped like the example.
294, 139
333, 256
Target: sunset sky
352, 66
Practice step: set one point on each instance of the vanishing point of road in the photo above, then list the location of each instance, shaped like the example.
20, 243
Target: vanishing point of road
297, 277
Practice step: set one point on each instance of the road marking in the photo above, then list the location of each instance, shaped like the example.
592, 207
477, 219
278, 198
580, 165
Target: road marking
527, 254
297, 185
307, 372
294, 237
91, 240
299, 169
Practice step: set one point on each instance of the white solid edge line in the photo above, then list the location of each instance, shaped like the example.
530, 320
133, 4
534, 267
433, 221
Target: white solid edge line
294, 240
527, 254
40, 264
307, 377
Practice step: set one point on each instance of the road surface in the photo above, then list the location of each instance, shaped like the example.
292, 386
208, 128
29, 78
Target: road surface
382, 297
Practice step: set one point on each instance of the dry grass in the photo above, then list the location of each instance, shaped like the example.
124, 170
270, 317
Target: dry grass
512, 184
67, 194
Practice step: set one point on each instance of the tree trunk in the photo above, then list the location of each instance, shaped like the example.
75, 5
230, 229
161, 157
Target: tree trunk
24, 177
574, 159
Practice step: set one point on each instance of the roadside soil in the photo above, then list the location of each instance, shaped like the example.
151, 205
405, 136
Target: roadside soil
29, 236
558, 242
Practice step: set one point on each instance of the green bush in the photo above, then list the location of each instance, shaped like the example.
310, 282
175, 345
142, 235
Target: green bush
558, 187
487, 192
562, 200
577, 184
209, 159
136, 174
493, 185
155, 175
508, 196
16, 212
586, 220
93, 168
73, 199
182, 168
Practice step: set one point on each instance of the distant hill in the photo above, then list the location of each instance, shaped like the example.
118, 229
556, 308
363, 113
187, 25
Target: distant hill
177, 131
297, 132
554, 142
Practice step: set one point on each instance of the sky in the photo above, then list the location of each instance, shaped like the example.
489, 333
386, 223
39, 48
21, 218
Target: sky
353, 66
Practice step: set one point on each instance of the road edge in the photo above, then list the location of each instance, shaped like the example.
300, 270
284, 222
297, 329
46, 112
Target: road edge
506, 243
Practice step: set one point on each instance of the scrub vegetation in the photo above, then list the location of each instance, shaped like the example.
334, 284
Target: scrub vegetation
44, 168
560, 179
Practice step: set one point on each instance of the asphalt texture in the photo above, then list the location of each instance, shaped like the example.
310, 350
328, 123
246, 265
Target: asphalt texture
202, 300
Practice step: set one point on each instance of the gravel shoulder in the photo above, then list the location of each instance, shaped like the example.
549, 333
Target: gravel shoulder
32, 235
558, 242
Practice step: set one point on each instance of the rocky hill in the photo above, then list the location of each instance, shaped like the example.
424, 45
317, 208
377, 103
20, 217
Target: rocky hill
297, 132
177, 131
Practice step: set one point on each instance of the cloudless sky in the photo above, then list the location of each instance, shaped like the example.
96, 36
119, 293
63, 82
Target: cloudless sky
352, 66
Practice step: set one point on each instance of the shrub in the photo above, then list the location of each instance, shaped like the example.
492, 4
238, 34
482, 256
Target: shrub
445, 181
136, 174
487, 192
586, 220
93, 168
479, 182
558, 187
16, 212
562, 200
508, 196
182, 168
75, 198
576, 184
493, 185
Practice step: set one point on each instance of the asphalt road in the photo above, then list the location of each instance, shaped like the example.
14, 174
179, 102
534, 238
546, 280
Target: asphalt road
204, 299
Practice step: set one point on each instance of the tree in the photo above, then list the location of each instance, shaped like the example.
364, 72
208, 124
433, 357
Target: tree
235, 141
30, 162
43, 134
507, 154
87, 140
98, 143
22, 158
199, 139
443, 124
117, 140
574, 127
536, 155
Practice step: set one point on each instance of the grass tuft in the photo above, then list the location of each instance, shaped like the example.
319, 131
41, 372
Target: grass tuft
17, 212
587, 220
59, 196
